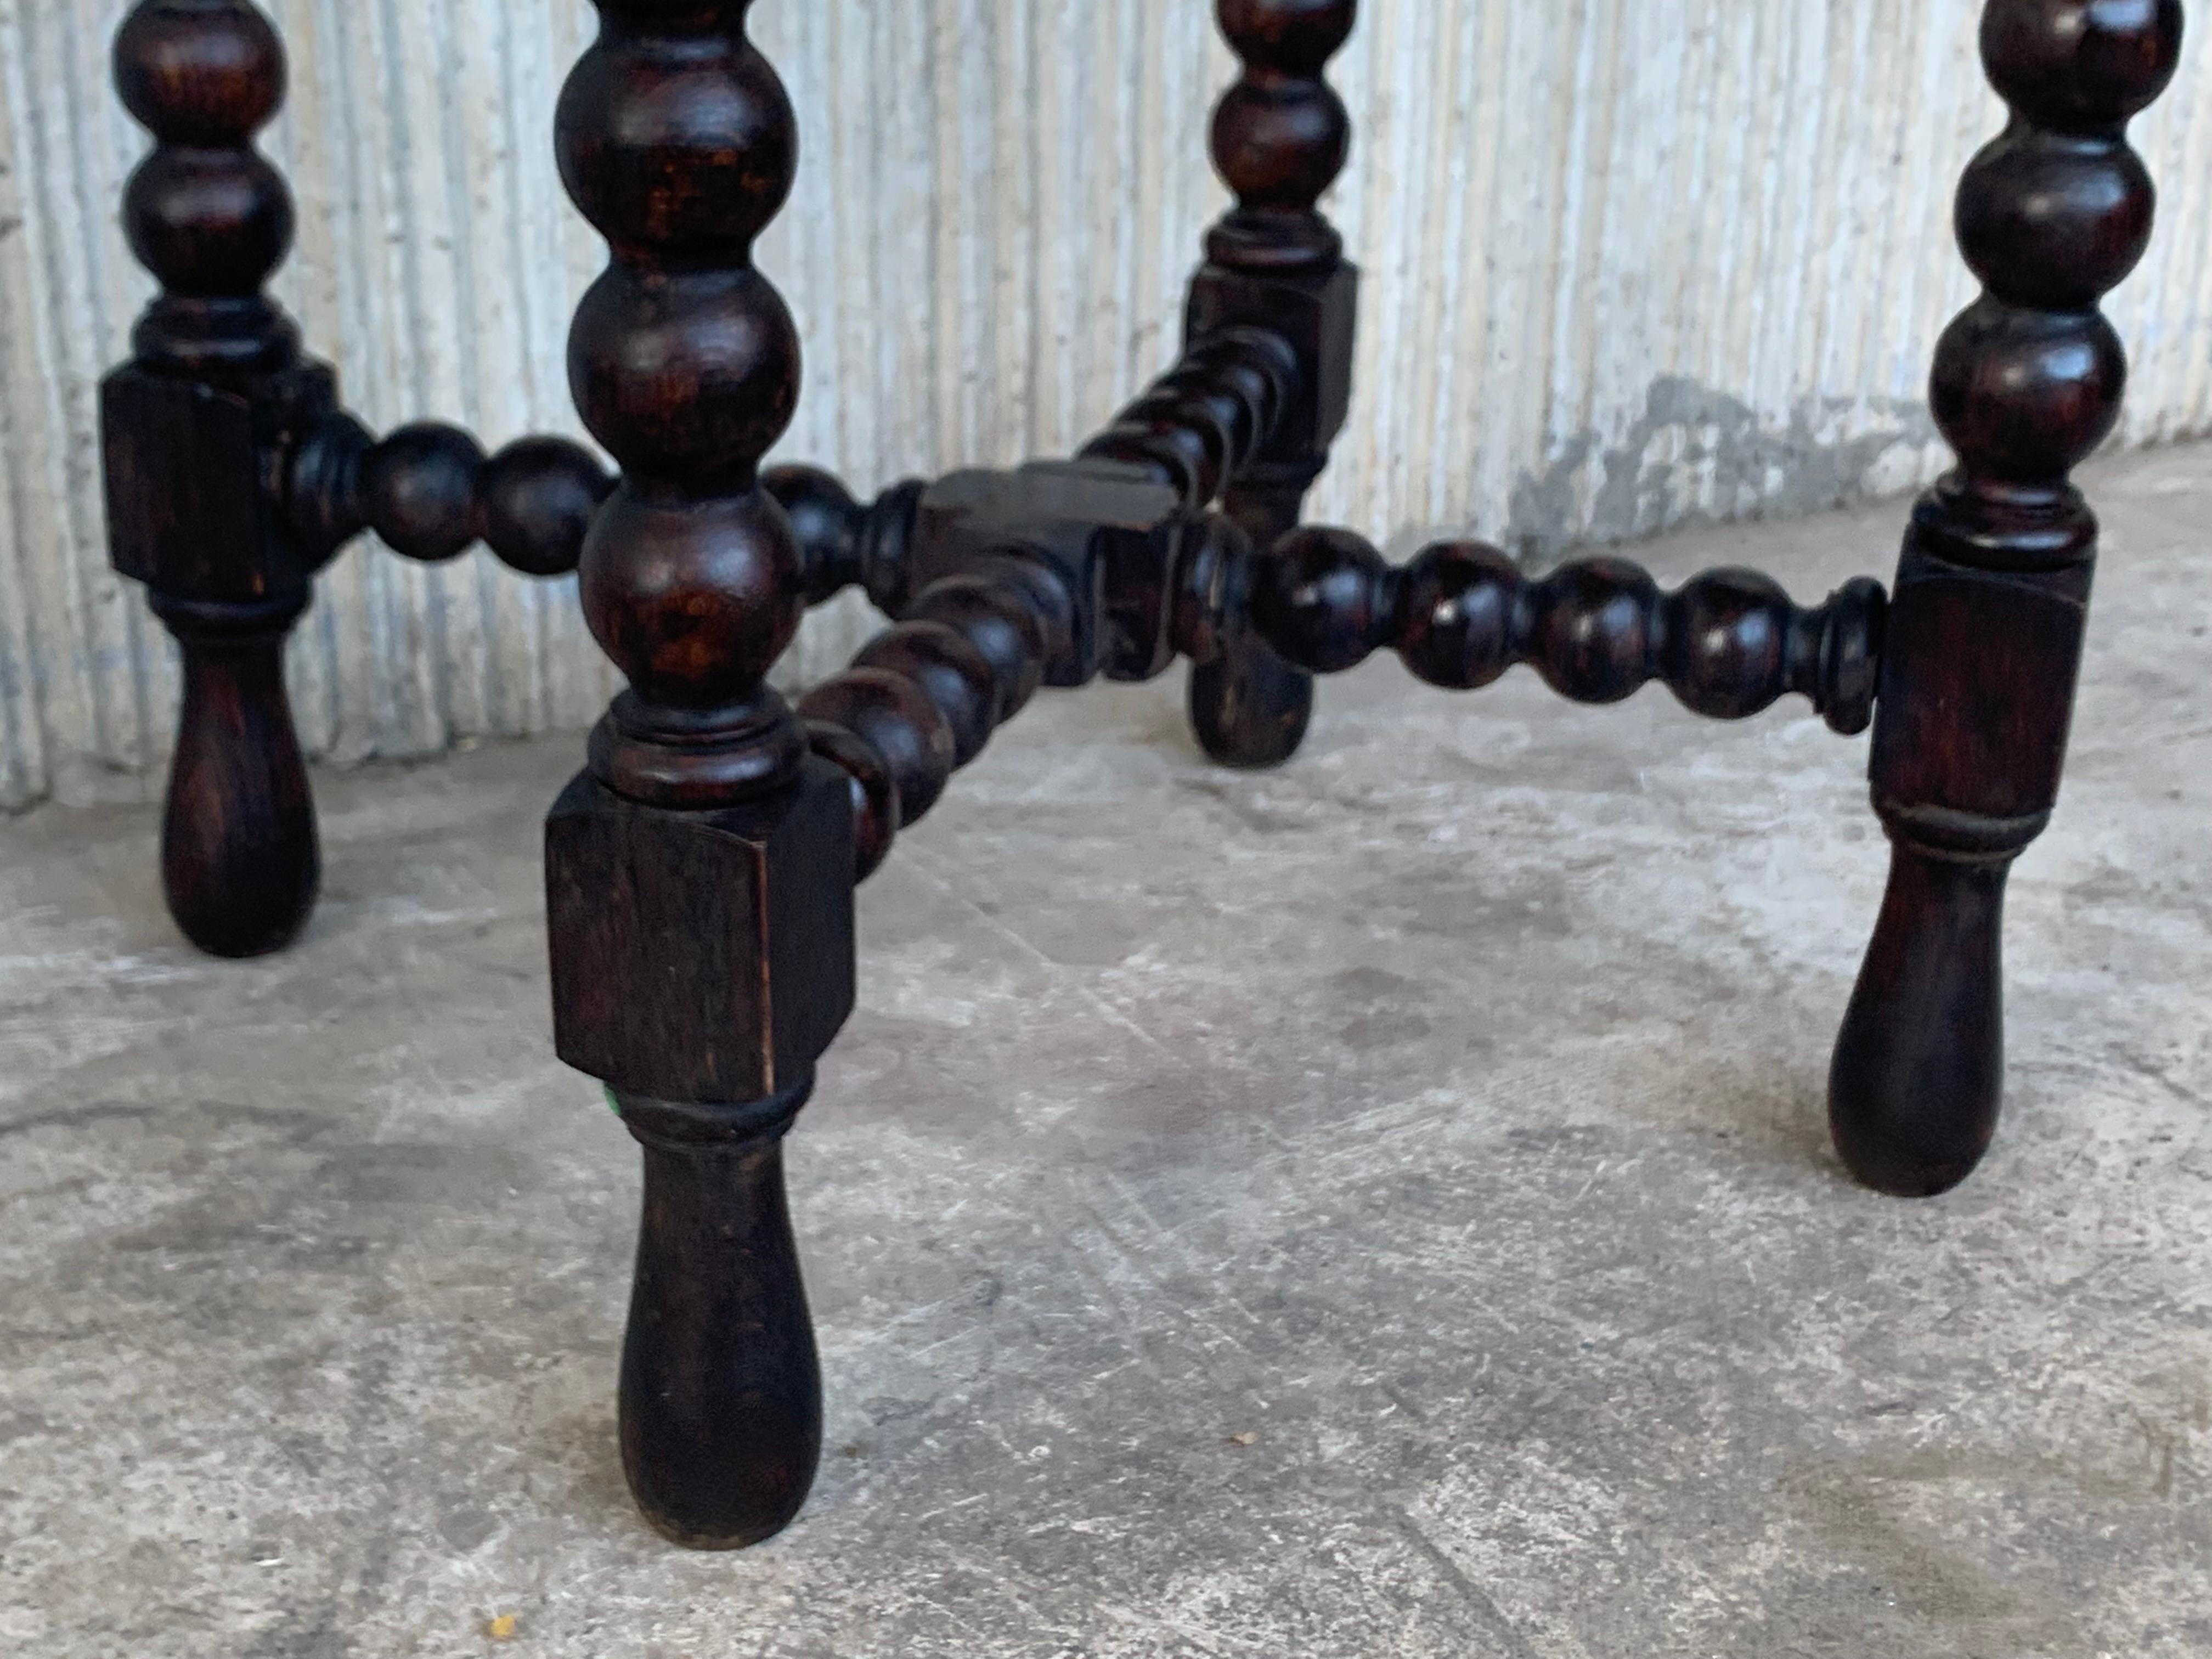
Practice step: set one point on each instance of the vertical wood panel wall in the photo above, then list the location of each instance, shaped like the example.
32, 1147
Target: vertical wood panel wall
1630, 263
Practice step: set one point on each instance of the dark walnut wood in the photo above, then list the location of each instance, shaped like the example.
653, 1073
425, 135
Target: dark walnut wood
239, 864
700, 873
923, 699
1729, 643
842, 544
1984, 636
430, 493
233, 476
216, 388
1201, 425
1280, 137
721, 1346
1097, 539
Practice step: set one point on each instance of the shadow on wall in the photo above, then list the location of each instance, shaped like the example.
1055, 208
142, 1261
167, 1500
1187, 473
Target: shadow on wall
1691, 443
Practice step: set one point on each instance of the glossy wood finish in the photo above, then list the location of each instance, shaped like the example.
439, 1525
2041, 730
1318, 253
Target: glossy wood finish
720, 1332
205, 212
842, 544
922, 700
429, 493
1984, 638
1280, 137
240, 862
233, 476
218, 384
1729, 644
1206, 420
700, 873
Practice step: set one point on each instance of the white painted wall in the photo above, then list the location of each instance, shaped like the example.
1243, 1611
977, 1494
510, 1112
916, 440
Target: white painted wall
1630, 262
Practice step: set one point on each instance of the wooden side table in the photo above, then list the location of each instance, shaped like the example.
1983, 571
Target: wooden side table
701, 870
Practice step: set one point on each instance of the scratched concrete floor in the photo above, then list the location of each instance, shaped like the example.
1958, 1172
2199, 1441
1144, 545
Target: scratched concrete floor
1443, 1113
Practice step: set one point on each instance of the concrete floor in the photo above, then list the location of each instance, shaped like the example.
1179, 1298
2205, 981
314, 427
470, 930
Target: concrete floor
1442, 1116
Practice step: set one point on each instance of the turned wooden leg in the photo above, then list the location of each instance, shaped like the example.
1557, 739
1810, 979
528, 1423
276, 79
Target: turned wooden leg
699, 875
194, 433
1280, 140
721, 1392
1919, 1067
240, 863
701, 960
1248, 708
1985, 627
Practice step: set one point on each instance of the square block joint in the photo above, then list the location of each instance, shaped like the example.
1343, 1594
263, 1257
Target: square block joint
702, 957
1112, 533
1317, 312
1978, 682
195, 478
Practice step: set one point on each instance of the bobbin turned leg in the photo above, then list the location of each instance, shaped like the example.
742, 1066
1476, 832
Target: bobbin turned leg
239, 864
1280, 137
192, 432
702, 960
1985, 626
700, 873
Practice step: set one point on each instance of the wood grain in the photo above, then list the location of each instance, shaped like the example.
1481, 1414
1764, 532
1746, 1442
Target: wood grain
1993, 593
